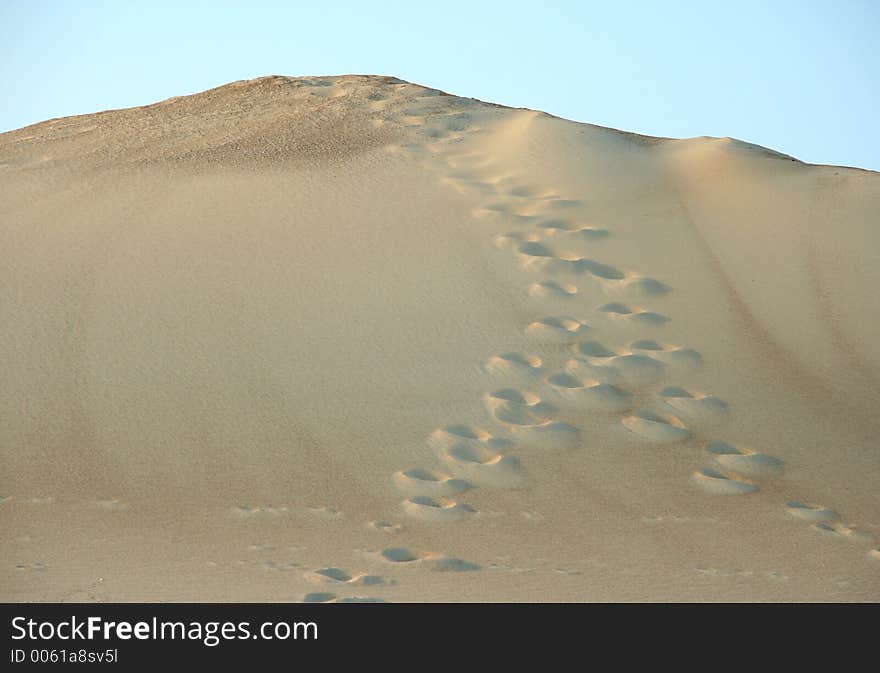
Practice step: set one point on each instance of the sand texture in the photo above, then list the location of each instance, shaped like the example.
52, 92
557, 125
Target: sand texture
350, 338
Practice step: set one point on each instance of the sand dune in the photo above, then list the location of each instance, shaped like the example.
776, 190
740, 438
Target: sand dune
349, 338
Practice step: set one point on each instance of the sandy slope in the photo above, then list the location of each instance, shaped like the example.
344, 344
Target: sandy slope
350, 337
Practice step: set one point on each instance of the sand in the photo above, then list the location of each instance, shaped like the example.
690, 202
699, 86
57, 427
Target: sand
350, 338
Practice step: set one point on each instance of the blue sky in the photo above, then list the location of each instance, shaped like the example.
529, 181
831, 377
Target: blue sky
799, 77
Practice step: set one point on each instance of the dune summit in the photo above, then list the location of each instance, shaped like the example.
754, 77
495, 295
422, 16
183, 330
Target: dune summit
351, 338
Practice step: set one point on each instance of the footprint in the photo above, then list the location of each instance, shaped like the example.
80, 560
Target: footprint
597, 269
677, 356
514, 366
589, 395
638, 370
809, 512
583, 235
549, 289
722, 483
744, 461
451, 435
577, 241
536, 256
443, 510
840, 530
319, 597
398, 555
328, 575
622, 312
555, 227
593, 349
334, 575
656, 428
515, 192
417, 481
523, 191
530, 420
631, 369
695, 408
384, 526
481, 466
556, 330
513, 240
518, 408
641, 287
435, 562
448, 564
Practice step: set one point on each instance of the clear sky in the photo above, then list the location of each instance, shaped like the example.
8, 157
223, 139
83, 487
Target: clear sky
799, 77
